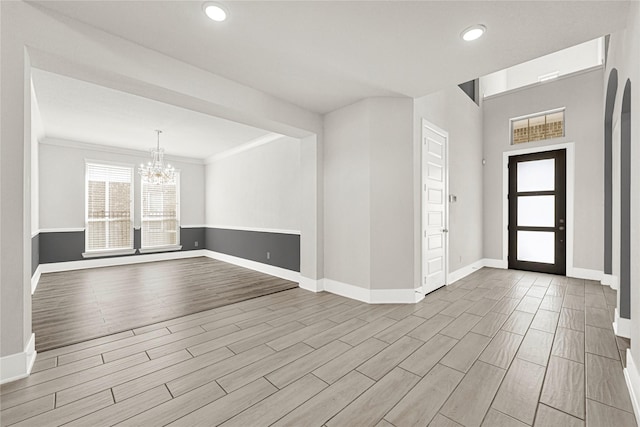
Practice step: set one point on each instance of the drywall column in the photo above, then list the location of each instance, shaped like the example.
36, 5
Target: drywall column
15, 208
368, 201
610, 99
311, 213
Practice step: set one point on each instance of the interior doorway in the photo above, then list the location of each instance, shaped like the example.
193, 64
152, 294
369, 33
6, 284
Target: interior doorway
537, 212
434, 207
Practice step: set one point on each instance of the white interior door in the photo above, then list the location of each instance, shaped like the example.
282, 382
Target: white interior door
434, 207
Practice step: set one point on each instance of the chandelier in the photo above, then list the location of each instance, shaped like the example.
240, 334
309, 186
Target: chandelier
155, 172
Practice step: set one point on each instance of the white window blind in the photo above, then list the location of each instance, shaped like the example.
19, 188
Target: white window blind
160, 214
109, 215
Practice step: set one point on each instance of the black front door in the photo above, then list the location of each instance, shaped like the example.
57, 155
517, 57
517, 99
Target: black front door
537, 212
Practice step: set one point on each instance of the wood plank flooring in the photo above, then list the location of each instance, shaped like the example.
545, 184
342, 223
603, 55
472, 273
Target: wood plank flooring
498, 348
75, 306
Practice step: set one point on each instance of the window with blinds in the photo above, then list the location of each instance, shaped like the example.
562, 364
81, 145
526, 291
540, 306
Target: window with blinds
160, 214
109, 214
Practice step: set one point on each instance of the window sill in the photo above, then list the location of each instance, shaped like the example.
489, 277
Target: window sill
170, 248
115, 252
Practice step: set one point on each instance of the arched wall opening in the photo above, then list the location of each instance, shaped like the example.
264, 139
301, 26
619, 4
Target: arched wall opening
612, 88
625, 203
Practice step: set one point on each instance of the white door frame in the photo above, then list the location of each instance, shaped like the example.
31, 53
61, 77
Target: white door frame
428, 125
570, 171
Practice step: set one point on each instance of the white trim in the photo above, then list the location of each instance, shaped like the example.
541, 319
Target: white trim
632, 378
622, 326
347, 290
570, 182
585, 273
313, 285
61, 230
35, 233
113, 252
193, 226
35, 279
372, 296
261, 140
396, 296
272, 270
607, 280
160, 249
495, 263
423, 207
463, 272
117, 150
124, 260
261, 230
532, 85
611, 280
16, 366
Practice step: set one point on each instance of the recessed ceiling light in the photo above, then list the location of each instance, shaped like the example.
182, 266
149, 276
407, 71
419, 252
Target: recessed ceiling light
215, 11
474, 32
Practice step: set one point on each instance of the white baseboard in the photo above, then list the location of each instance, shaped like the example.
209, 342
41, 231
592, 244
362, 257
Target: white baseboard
16, 366
347, 290
610, 280
35, 279
585, 273
396, 296
272, 270
123, 260
622, 326
372, 296
632, 378
464, 271
313, 285
495, 263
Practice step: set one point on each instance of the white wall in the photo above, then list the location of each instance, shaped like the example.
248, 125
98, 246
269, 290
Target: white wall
623, 56
566, 61
257, 188
37, 135
581, 94
62, 183
347, 181
368, 182
453, 111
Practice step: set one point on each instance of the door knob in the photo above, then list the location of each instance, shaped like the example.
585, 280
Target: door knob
444, 230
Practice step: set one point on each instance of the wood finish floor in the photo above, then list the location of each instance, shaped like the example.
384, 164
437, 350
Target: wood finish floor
499, 348
75, 306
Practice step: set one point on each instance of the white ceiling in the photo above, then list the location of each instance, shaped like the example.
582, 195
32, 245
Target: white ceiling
79, 111
322, 55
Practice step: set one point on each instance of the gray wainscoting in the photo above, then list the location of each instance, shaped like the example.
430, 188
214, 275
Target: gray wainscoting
35, 253
284, 249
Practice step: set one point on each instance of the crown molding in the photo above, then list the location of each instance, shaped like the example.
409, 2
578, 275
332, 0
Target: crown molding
115, 150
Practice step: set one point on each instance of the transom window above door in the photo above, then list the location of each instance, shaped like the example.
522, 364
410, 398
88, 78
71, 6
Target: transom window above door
537, 127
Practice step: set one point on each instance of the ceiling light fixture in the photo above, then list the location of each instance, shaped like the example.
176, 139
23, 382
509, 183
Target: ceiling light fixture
155, 172
215, 11
474, 32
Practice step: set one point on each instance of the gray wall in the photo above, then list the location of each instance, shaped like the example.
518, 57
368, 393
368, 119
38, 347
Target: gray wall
453, 111
582, 95
63, 246
62, 183
368, 199
256, 188
277, 249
